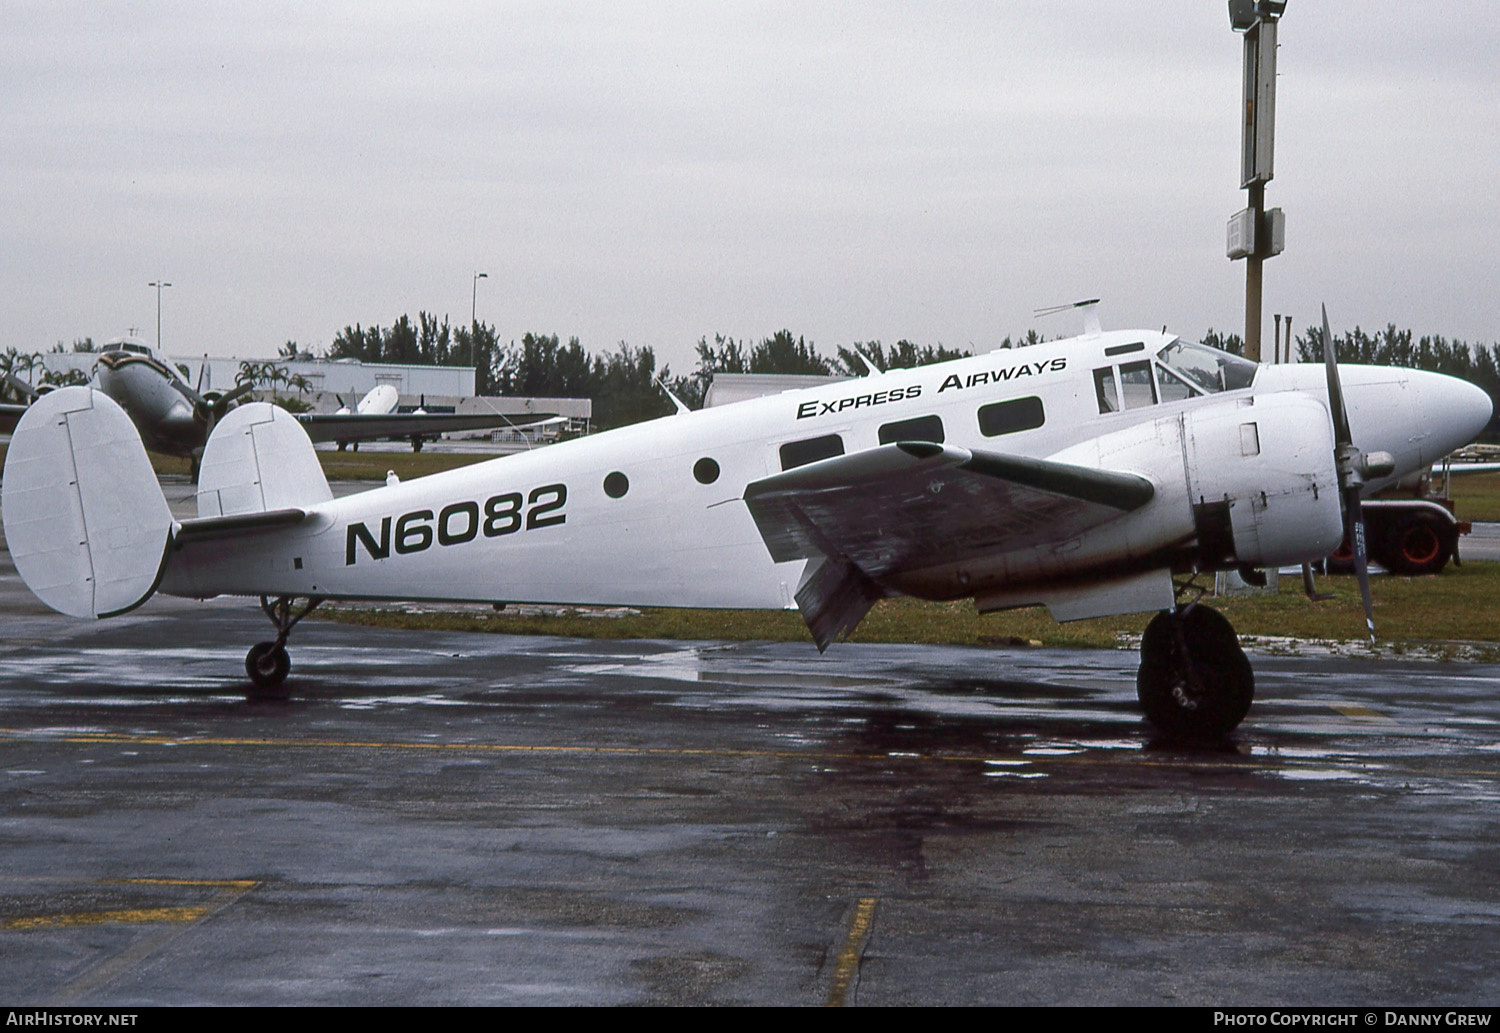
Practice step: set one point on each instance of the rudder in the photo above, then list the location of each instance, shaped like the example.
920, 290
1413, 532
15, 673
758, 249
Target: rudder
84, 517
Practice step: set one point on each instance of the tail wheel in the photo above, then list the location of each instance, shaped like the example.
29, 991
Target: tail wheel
1416, 545
1194, 680
267, 664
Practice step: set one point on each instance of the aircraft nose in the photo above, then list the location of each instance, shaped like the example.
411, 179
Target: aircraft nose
1457, 409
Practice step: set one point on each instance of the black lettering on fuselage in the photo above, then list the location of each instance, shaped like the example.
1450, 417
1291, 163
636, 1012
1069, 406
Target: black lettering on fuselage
360, 533
460, 522
445, 532
997, 376
838, 405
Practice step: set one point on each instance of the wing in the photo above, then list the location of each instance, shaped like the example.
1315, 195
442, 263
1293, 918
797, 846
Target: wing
10, 415
860, 518
358, 427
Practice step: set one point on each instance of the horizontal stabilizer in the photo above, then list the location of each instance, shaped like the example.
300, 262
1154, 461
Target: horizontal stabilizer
84, 517
257, 460
207, 528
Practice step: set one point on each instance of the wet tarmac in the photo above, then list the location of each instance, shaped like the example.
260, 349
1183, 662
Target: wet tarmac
471, 819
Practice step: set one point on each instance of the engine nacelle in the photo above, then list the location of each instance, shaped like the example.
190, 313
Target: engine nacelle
1262, 480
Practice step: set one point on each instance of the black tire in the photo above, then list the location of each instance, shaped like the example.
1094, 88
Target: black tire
267, 665
1202, 695
1416, 544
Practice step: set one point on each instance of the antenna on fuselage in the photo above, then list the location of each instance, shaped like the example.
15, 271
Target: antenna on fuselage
864, 361
1090, 314
681, 406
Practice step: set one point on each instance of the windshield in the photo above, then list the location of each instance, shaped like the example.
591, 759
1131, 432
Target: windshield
1207, 368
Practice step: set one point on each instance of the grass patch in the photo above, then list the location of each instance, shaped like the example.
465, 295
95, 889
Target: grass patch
1462, 605
1476, 496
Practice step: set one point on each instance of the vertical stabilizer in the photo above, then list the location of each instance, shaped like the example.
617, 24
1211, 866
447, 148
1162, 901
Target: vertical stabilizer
85, 519
259, 459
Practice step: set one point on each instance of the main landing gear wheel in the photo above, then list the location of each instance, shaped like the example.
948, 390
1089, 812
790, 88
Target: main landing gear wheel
1194, 680
267, 665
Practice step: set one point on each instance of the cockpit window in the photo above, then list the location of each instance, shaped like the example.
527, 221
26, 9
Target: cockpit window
1136, 384
1173, 388
1207, 368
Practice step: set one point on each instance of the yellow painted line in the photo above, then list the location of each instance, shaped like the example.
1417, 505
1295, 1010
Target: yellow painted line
230, 890
241, 884
127, 916
846, 965
1355, 710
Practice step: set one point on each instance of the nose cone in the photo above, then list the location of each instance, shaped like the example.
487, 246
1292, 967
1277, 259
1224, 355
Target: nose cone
1455, 410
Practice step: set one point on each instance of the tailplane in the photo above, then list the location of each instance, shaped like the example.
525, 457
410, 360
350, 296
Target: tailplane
85, 520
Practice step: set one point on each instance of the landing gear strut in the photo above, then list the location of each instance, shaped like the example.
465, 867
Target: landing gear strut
267, 663
1194, 681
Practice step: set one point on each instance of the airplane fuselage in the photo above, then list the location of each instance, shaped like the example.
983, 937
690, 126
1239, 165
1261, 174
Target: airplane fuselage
155, 398
1242, 469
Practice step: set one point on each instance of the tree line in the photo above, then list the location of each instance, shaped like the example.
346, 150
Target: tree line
625, 383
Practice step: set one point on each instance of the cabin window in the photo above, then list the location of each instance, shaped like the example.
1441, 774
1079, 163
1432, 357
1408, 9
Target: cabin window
616, 485
922, 428
810, 450
705, 471
1011, 417
1137, 388
1104, 387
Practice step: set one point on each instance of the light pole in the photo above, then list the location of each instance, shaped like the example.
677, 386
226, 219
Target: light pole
158, 284
474, 301
474, 333
1255, 234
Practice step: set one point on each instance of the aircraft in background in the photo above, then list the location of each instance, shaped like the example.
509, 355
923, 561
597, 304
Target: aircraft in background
174, 418
1097, 475
375, 417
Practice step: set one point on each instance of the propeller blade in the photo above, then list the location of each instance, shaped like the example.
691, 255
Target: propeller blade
24, 389
1355, 526
1335, 389
223, 402
1345, 458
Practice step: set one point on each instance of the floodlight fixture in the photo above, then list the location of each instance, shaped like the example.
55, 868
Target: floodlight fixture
158, 284
1245, 13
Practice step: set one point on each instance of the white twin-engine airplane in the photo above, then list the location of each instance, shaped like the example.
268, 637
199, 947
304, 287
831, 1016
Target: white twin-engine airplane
1079, 474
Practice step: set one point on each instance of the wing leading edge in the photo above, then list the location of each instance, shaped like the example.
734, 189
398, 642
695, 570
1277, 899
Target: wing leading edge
860, 518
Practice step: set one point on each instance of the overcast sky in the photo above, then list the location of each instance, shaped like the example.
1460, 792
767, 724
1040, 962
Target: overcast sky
661, 172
